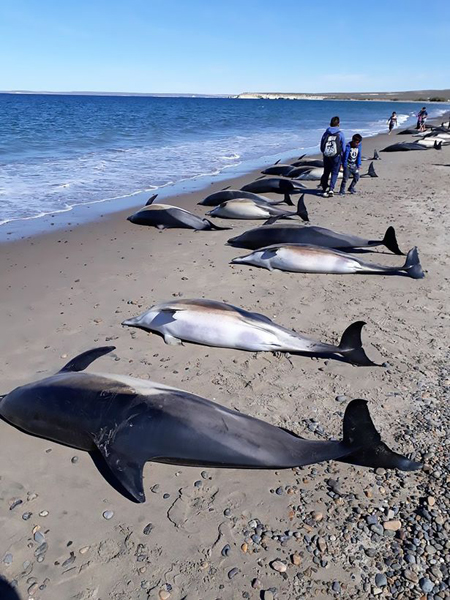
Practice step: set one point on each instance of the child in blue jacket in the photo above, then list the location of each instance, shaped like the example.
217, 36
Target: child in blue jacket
351, 163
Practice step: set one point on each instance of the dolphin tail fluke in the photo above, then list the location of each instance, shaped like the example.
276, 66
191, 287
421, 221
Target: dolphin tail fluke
376, 156
371, 172
287, 199
82, 361
370, 450
437, 146
412, 265
351, 346
301, 208
151, 200
390, 241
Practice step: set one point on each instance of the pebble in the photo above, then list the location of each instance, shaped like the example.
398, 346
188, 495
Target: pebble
84, 549
148, 529
336, 587
426, 585
43, 513
7, 559
278, 565
74, 460
233, 572
26, 515
164, 594
296, 559
39, 537
341, 398
15, 503
380, 580
226, 550
256, 584
392, 525
108, 514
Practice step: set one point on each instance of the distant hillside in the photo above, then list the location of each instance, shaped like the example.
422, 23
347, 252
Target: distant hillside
412, 96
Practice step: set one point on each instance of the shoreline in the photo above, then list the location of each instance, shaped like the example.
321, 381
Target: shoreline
80, 214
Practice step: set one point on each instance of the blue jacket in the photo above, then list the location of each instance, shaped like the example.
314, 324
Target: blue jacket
333, 131
347, 152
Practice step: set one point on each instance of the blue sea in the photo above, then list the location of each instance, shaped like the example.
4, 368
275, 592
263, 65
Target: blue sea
57, 152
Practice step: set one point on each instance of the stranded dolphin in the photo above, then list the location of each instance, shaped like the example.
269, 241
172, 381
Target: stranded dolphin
276, 185
268, 235
301, 258
247, 209
126, 422
214, 323
404, 147
227, 194
164, 216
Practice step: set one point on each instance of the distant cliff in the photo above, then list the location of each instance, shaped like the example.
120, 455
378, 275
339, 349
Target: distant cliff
411, 96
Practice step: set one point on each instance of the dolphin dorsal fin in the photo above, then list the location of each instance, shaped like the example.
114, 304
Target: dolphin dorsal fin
82, 361
151, 200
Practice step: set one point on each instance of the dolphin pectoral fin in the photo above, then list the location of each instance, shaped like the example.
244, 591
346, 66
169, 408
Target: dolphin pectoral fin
370, 450
82, 361
171, 340
128, 471
301, 209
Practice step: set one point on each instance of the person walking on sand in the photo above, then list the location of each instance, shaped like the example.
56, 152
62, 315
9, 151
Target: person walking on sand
421, 118
351, 162
392, 122
332, 147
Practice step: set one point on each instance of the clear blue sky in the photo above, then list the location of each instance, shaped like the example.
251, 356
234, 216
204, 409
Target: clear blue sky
224, 46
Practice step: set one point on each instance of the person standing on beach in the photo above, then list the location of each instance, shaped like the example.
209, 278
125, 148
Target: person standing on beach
421, 118
332, 147
392, 122
351, 162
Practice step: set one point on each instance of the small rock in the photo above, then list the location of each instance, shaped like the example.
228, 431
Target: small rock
380, 580
336, 587
256, 584
15, 503
233, 572
278, 565
39, 537
148, 529
426, 585
226, 550
26, 516
43, 513
84, 549
392, 525
244, 547
74, 460
7, 559
108, 514
296, 559
164, 595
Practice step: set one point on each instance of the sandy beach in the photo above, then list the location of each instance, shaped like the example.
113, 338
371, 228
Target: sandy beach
342, 531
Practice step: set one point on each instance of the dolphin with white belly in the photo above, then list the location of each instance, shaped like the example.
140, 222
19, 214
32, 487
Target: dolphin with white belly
125, 422
247, 209
315, 174
302, 258
268, 235
165, 216
228, 194
275, 185
213, 323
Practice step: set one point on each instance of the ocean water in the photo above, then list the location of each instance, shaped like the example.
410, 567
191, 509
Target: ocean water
57, 152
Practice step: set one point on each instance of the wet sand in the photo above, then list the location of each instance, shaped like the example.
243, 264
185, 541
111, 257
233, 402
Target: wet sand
69, 290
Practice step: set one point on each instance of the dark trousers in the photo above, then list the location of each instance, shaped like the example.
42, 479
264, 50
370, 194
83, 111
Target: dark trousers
331, 167
350, 172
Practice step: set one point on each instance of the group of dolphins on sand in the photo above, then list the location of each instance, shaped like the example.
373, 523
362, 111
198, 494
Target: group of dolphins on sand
125, 422
435, 138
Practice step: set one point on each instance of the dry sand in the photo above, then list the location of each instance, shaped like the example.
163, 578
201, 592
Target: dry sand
69, 290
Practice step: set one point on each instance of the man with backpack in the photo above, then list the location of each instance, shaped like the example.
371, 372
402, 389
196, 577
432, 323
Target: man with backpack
332, 147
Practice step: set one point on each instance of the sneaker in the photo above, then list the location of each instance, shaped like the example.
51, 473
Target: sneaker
330, 193
326, 194
352, 191
342, 193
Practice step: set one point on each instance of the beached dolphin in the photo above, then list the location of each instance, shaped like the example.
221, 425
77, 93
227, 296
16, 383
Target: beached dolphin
315, 174
276, 185
316, 162
247, 209
213, 323
268, 235
404, 147
278, 169
165, 216
125, 422
434, 142
227, 194
303, 258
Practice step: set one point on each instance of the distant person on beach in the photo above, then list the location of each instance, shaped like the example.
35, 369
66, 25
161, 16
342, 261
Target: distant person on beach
332, 147
351, 163
421, 118
392, 122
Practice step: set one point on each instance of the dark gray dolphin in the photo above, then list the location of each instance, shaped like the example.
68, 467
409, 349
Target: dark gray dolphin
315, 162
275, 185
404, 147
268, 235
130, 421
280, 169
224, 195
165, 216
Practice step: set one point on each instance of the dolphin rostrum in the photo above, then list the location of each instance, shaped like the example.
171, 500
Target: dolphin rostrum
125, 422
213, 323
